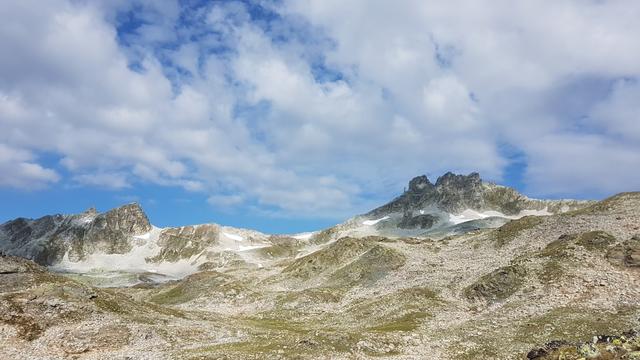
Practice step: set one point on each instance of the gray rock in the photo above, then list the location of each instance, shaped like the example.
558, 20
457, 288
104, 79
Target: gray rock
46, 240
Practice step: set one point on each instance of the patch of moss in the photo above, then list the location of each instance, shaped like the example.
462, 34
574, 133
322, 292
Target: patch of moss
312, 296
111, 301
552, 271
406, 322
497, 285
331, 257
507, 232
595, 240
281, 345
370, 267
280, 324
197, 285
558, 249
482, 351
400, 309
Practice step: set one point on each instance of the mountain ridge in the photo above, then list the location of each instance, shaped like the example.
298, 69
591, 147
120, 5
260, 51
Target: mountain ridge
123, 236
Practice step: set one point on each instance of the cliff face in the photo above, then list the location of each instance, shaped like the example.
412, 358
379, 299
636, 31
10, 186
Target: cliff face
46, 240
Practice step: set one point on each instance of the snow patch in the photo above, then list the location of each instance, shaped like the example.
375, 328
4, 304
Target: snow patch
373, 222
233, 236
303, 236
134, 262
143, 236
543, 212
251, 247
469, 215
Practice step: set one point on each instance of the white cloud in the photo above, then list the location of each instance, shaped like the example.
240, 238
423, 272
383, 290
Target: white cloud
371, 94
18, 170
114, 181
568, 163
619, 114
226, 201
514, 57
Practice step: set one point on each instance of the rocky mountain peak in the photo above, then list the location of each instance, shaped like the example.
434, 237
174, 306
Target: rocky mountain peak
420, 184
454, 193
452, 180
129, 218
459, 192
46, 240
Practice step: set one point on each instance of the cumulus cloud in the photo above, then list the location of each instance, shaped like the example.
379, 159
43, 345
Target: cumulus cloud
18, 169
320, 108
619, 113
104, 180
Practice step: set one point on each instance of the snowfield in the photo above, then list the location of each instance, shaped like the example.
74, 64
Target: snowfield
233, 236
469, 215
373, 222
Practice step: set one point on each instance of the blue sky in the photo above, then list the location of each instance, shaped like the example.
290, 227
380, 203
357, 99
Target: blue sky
287, 116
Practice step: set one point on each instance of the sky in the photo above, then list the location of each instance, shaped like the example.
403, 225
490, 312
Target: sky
293, 115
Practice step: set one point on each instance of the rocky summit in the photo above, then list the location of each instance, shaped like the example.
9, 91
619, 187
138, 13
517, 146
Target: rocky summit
456, 269
49, 239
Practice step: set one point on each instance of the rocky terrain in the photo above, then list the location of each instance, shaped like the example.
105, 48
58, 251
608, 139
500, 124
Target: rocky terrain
563, 285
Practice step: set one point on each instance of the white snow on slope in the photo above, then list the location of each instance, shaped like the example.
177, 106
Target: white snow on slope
304, 236
469, 215
543, 212
373, 222
251, 247
144, 236
233, 236
132, 262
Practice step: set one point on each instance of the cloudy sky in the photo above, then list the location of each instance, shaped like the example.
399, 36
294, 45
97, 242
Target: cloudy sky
290, 115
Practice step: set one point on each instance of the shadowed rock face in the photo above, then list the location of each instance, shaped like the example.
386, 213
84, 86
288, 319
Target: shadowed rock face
417, 222
46, 240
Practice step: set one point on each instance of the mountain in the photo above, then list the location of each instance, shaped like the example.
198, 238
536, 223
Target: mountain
49, 239
455, 194
559, 286
121, 247
455, 204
